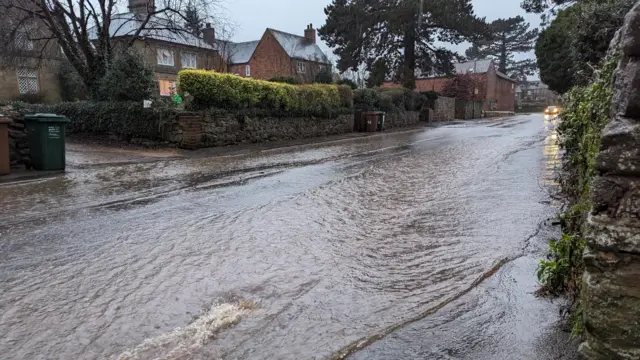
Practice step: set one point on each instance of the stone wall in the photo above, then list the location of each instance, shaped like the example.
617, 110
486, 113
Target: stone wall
401, 119
466, 109
444, 109
611, 283
221, 128
18, 143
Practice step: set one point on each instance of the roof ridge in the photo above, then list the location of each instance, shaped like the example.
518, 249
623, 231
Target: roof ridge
286, 33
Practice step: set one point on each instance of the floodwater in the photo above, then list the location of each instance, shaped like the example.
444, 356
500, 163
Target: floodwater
398, 246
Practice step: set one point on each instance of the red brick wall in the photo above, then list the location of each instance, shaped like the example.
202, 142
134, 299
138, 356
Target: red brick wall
505, 94
269, 60
239, 69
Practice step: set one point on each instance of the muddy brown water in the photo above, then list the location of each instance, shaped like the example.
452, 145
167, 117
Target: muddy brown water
333, 245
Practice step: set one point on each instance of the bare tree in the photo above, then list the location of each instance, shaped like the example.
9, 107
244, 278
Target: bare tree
84, 30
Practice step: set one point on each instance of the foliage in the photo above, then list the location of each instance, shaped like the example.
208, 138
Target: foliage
404, 34
508, 36
389, 100
129, 78
193, 21
465, 87
71, 86
126, 119
323, 77
348, 82
378, 73
285, 80
585, 113
226, 91
31, 98
577, 40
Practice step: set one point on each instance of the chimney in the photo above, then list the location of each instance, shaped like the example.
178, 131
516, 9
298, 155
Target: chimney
142, 6
209, 34
310, 33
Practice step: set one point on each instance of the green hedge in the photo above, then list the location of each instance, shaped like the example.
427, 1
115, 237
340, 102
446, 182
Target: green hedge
210, 89
389, 100
126, 119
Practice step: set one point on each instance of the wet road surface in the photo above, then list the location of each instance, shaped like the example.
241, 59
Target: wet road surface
424, 241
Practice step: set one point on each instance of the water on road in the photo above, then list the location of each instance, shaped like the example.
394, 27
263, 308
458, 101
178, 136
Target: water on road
298, 253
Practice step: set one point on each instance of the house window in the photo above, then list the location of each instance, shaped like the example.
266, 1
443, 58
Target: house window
247, 70
188, 60
22, 40
167, 87
165, 57
301, 67
27, 81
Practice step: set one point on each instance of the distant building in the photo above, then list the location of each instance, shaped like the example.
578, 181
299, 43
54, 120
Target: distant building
535, 91
500, 88
279, 53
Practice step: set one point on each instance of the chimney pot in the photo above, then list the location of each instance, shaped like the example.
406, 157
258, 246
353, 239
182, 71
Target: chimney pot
310, 33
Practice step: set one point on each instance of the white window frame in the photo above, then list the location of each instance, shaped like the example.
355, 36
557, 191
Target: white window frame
186, 60
160, 56
247, 70
301, 67
29, 83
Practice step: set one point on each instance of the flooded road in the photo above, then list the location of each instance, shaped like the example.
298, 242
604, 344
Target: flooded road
298, 253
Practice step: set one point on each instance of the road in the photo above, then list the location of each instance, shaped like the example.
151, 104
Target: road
411, 245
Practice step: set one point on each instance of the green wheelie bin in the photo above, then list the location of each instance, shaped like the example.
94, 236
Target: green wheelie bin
46, 134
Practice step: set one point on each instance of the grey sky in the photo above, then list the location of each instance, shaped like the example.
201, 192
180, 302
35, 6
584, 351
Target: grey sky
254, 16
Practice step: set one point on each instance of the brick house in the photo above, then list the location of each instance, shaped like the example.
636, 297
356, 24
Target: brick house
169, 51
279, 53
500, 88
29, 68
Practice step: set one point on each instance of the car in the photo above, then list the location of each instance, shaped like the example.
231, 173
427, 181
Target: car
552, 110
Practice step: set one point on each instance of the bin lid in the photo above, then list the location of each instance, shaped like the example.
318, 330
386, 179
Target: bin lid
40, 117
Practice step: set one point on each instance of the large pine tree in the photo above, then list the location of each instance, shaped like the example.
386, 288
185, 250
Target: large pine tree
402, 33
508, 37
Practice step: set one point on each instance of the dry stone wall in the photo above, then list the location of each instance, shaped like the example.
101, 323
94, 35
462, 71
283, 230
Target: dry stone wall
444, 109
611, 284
221, 128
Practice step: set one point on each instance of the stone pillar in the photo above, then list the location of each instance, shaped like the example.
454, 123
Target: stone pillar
611, 283
192, 131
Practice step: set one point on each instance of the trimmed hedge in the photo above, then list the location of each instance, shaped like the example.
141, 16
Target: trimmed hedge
126, 119
211, 89
389, 100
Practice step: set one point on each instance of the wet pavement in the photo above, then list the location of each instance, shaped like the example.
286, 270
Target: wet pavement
411, 245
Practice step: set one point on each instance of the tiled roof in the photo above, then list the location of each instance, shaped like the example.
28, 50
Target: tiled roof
240, 53
476, 66
299, 47
127, 24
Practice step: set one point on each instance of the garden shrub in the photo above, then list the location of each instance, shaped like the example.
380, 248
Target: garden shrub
125, 119
72, 88
128, 78
348, 82
323, 77
211, 89
285, 80
389, 99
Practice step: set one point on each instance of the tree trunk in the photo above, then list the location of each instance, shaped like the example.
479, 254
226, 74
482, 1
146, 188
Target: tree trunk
409, 66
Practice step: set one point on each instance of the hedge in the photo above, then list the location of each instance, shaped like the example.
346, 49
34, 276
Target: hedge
210, 89
389, 100
126, 119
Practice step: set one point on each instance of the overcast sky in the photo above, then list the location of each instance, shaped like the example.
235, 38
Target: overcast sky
252, 17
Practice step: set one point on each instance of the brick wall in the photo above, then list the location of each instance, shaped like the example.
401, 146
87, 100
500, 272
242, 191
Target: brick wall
270, 59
